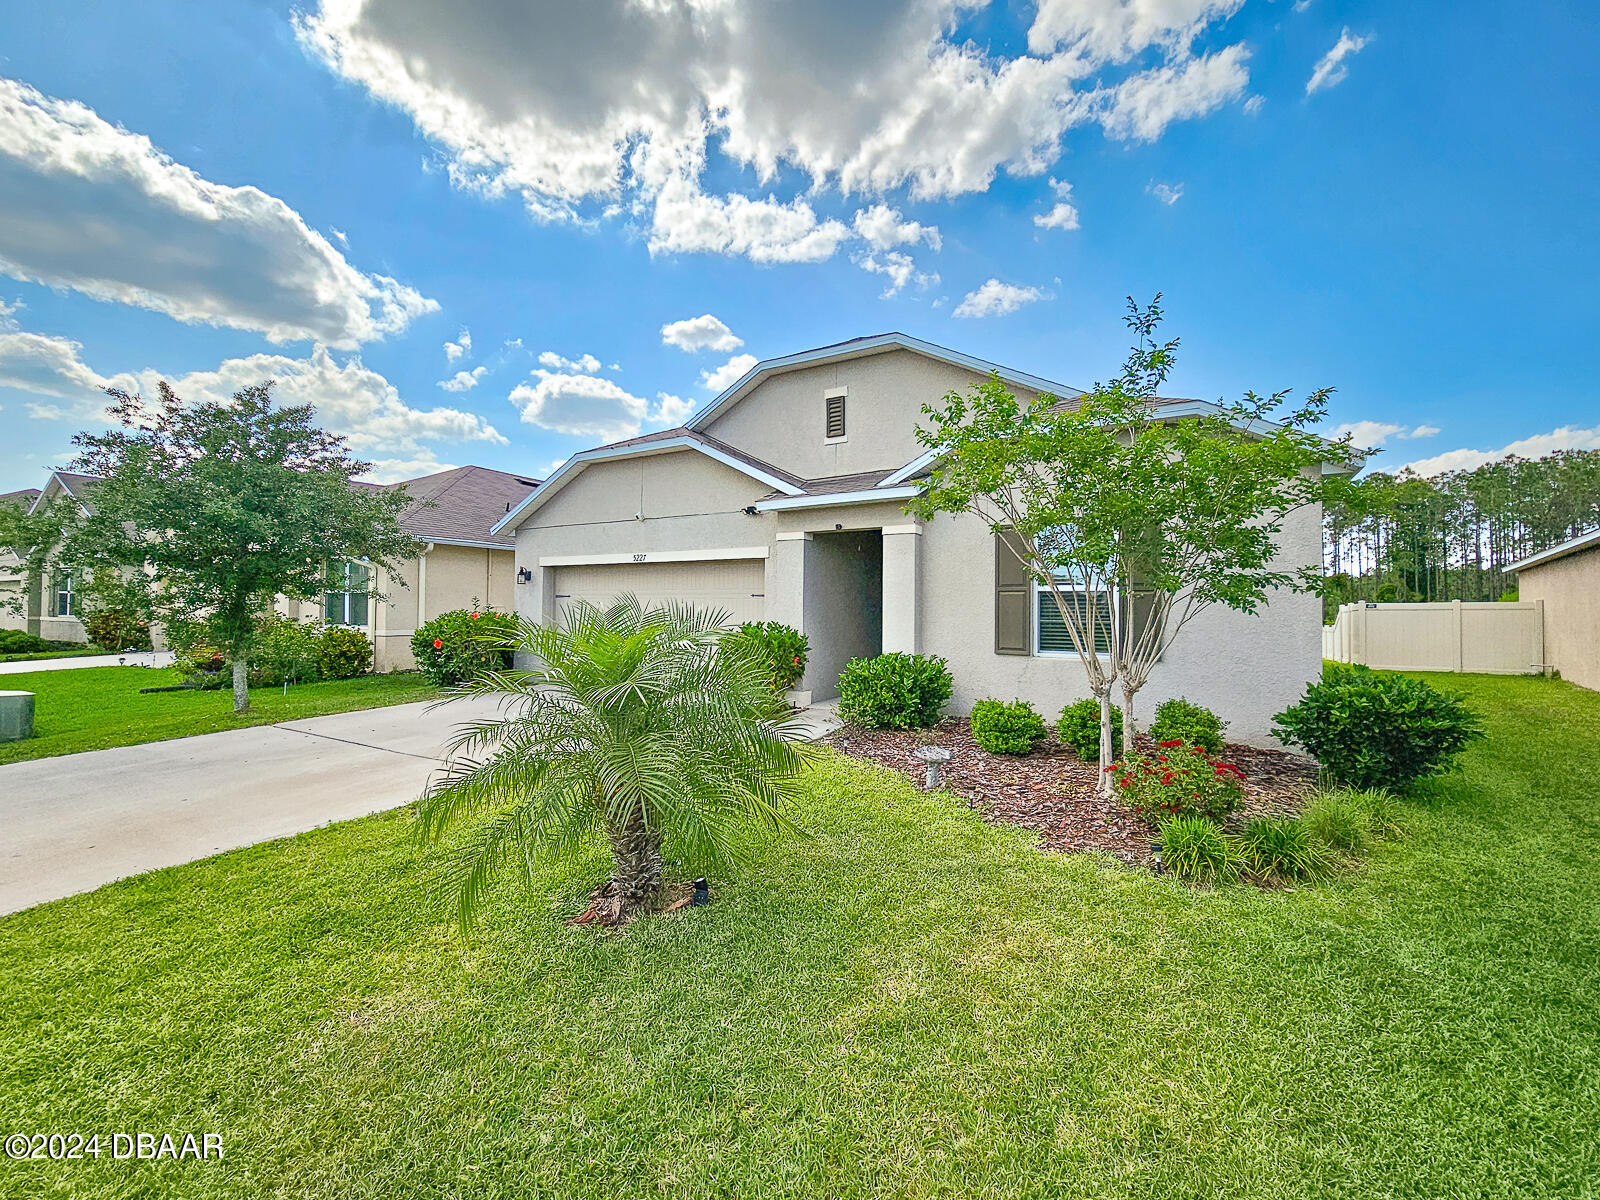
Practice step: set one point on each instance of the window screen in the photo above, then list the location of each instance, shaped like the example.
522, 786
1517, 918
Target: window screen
1052, 634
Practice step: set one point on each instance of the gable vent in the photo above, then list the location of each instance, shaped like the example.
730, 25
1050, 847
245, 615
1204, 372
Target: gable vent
835, 422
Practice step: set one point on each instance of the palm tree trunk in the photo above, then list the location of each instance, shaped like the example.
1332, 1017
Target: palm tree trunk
636, 855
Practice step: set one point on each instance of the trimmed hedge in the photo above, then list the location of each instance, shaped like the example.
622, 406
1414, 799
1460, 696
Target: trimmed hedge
1181, 720
1079, 728
343, 653
894, 691
460, 645
782, 648
1002, 728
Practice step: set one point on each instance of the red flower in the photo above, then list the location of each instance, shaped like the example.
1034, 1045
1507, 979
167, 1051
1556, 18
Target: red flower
474, 616
1126, 783
796, 658
438, 644
1170, 742
1167, 778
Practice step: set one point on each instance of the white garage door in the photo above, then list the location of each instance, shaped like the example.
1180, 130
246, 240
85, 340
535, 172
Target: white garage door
735, 586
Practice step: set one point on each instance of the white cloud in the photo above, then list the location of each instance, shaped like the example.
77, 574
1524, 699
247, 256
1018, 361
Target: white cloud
1061, 215
592, 406
1168, 193
587, 363
1253, 104
394, 470
1371, 434
695, 334
996, 299
898, 266
1331, 69
340, 236
1144, 105
463, 381
883, 228
1567, 437
350, 399
616, 106
461, 346
94, 208
728, 373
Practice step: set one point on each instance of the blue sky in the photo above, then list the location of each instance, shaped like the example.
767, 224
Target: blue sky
1394, 200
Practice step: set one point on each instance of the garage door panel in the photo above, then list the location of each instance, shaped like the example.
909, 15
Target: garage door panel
735, 585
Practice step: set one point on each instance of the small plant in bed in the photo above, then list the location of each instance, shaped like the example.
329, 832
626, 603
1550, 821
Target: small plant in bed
1079, 728
1180, 718
894, 691
1002, 728
1278, 849
781, 647
1178, 779
1197, 850
1376, 729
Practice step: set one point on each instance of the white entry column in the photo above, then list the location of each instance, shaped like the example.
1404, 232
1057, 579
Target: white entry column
902, 588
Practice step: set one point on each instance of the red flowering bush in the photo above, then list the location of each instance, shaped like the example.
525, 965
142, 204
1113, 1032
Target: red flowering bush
457, 646
781, 648
1178, 779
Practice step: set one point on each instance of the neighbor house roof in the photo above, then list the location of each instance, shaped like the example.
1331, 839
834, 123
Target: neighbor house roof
462, 506
1584, 541
22, 499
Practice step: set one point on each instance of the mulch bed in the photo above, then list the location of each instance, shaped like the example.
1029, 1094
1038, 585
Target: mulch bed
1052, 790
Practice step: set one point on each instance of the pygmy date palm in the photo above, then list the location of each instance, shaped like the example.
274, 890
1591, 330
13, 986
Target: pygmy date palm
644, 724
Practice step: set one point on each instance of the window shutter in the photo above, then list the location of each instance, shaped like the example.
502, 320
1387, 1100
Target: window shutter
835, 421
1139, 602
1013, 597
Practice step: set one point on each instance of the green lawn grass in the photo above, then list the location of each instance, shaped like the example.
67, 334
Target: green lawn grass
904, 1003
91, 708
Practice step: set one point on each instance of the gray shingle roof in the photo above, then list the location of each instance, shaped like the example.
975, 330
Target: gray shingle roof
465, 504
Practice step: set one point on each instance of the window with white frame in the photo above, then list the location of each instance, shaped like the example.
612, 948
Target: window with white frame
348, 597
61, 589
1050, 634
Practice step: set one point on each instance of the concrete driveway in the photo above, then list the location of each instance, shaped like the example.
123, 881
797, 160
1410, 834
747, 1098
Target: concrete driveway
72, 823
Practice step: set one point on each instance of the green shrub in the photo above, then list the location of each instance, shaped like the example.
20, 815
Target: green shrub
1279, 848
1193, 723
343, 653
1180, 780
1197, 849
18, 641
1079, 728
198, 659
1337, 822
462, 644
1375, 729
114, 630
1002, 728
894, 691
285, 651
781, 647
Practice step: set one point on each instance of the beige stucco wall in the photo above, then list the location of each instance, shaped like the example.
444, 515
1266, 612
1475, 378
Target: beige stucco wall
1570, 589
781, 421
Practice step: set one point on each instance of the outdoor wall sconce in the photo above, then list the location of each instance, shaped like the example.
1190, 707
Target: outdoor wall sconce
933, 756
524, 575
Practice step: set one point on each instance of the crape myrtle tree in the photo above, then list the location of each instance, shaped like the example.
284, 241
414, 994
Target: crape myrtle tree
228, 505
1132, 520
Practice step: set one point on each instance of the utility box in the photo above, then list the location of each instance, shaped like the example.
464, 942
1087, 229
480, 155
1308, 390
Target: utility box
16, 716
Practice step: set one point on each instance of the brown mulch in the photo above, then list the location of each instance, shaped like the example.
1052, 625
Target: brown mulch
1052, 790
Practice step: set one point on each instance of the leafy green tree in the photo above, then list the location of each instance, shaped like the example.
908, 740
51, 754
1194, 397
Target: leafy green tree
651, 726
1133, 521
229, 505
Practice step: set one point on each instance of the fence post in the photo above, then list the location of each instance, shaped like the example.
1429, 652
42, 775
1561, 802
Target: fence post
1460, 655
1538, 637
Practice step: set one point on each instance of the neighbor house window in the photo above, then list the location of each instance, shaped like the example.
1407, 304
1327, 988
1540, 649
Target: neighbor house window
1050, 635
61, 586
833, 426
348, 595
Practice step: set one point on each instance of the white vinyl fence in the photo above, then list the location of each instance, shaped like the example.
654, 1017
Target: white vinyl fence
1497, 639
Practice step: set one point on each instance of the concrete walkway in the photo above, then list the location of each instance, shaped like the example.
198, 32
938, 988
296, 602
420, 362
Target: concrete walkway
72, 823
132, 658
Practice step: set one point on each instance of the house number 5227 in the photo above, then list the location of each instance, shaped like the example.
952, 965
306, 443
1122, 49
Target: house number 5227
638, 558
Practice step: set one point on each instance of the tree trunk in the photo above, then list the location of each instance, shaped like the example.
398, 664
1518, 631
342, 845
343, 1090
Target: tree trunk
1107, 754
1129, 728
636, 854
241, 685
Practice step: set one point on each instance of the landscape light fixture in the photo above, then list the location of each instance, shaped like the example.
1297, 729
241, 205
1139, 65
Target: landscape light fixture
1155, 857
702, 893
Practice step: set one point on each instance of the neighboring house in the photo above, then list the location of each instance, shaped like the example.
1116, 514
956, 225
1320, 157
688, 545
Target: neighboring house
1566, 578
784, 500
13, 610
462, 562
50, 608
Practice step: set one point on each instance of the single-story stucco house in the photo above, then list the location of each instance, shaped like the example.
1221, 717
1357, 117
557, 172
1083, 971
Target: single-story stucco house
1566, 579
462, 562
784, 499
